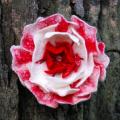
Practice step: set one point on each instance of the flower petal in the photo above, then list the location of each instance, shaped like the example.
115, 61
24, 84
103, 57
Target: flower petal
81, 48
71, 99
64, 91
102, 73
43, 98
87, 70
24, 74
20, 56
91, 84
40, 42
87, 32
62, 36
101, 47
101, 60
50, 20
27, 42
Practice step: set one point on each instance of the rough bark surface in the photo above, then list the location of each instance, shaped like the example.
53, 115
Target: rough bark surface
16, 102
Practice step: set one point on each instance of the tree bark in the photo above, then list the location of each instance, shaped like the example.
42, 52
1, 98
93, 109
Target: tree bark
16, 102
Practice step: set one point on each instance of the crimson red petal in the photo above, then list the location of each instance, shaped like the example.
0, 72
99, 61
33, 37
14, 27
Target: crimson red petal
20, 56
43, 98
67, 99
101, 47
58, 68
24, 74
71, 99
27, 42
49, 61
50, 20
68, 71
54, 50
62, 26
67, 48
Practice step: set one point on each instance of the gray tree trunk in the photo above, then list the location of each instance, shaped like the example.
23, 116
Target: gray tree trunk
16, 102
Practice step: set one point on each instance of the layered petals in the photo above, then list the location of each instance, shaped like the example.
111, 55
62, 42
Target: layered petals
60, 61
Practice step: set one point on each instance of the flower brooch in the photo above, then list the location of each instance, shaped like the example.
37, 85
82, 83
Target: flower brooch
60, 61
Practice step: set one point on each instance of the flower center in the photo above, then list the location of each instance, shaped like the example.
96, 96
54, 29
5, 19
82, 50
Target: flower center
60, 59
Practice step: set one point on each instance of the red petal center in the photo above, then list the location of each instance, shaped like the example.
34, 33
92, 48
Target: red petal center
60, 59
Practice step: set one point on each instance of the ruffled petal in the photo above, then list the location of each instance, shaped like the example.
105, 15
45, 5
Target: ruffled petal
101, 60
64, 91
20, 56
62, 37
87, 32
101, 47
27, 42
42, 97
50, 20
102, 73
40, 41
63, 25
71, 99
91, 83
24, 74
80, 48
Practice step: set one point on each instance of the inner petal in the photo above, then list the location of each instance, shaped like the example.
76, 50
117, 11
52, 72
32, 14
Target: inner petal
60, 59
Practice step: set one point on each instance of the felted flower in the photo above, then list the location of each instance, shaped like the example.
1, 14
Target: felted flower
60, 61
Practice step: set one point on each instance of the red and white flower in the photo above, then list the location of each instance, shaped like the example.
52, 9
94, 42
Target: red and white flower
60, 61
